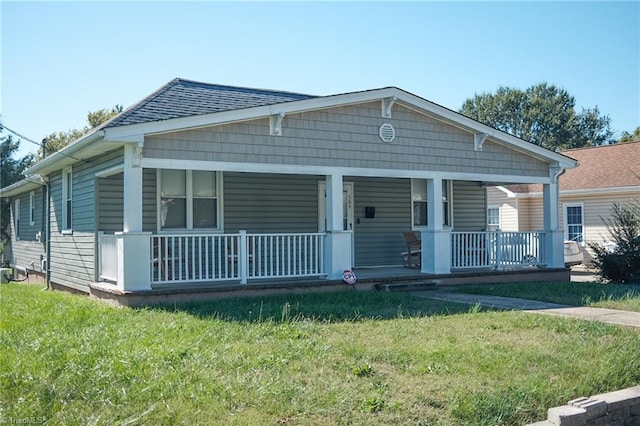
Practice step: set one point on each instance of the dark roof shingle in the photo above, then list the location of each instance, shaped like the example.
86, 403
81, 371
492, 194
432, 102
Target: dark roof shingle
183, 98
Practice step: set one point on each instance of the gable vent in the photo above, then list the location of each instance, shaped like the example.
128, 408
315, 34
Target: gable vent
387, 132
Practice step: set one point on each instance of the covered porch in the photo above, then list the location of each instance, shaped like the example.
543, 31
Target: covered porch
244, 259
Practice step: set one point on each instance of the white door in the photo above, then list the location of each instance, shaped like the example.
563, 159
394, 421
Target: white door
347, 210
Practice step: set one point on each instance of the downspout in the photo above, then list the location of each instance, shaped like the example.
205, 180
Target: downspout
47, 228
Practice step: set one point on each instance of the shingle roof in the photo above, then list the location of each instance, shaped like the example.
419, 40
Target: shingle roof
608, 166
182, 98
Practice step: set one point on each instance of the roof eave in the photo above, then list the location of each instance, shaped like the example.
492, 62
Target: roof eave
65, 156
22, 186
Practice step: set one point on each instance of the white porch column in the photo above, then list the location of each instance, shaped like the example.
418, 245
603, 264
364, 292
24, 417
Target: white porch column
132, 214
554, 248
338, 241
436, 241
134, 260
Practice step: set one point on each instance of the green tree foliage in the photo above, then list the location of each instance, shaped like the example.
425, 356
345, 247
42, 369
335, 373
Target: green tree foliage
542, 114
58, 140
11, 171
622, 264
630, 137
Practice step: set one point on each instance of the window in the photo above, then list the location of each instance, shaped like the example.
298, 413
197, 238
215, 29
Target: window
188, 199
32, 208
446, 203
67, 198
493, 216
16, 218
574, 220
419, 202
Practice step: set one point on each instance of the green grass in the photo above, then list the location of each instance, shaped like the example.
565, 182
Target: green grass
322, 359
614, 296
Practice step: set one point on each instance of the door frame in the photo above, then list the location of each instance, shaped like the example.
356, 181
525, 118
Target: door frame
347, 187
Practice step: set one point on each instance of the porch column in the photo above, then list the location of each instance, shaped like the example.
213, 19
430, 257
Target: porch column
554, 248
132, 214
338, 241
134, 260
436, 241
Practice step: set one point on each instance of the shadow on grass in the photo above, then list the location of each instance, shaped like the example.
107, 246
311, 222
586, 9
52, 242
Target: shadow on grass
566, 293
320, 307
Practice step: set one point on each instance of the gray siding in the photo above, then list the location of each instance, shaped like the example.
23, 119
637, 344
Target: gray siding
149, 201
73, 256
264, 203
110, 201
347, 137
379, 240
469, 206
27, 252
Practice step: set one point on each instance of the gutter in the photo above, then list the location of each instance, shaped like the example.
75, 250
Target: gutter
49, 163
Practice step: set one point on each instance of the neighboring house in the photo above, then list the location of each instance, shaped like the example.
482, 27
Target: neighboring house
606, 175
199, 185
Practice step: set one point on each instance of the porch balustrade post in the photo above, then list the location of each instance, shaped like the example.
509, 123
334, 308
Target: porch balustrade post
498, 248
243, 256
134, 260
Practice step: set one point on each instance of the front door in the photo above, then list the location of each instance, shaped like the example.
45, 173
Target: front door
347, 210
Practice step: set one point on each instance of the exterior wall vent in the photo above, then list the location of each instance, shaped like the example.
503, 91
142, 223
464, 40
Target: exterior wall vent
387, 132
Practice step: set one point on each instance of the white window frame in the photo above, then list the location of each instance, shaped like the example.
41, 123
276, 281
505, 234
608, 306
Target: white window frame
447, 195
32, 208
447, 201
566, 224
499, 224
414, 183
67, 200
189, 204
16, 218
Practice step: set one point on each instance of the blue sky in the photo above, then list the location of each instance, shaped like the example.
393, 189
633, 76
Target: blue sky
62, 60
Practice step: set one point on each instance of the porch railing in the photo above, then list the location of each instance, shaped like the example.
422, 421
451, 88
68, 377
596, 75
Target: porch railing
108, 257
219, 257
496, 249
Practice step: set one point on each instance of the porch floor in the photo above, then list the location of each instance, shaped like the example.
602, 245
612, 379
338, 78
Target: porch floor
397, 278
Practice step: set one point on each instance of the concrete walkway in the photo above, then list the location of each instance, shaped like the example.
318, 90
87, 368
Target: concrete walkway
610, 316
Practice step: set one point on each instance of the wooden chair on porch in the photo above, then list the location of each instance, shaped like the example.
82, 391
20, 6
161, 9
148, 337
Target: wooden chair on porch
414, 248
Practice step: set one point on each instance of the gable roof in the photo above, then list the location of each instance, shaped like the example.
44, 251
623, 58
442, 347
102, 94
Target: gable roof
183, 98
600, 167
184, 104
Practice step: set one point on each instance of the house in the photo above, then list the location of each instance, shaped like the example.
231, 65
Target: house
201, 186
606, 175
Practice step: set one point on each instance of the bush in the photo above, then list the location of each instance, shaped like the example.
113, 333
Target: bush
622, 264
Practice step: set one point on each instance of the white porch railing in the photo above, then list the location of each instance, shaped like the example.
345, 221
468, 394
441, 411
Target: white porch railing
496, 249
108, 257
219, 257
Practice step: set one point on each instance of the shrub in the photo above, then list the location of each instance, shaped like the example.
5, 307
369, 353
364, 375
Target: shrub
622, 264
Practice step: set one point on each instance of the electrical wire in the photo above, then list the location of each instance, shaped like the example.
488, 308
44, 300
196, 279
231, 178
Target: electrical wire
3, 127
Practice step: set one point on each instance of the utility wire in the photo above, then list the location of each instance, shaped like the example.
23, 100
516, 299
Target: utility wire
43, 146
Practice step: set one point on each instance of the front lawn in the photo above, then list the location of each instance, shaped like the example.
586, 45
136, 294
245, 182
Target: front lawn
614, 296
321, 359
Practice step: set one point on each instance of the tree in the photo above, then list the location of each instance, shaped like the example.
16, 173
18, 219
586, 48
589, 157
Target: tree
630, 137
11, 171
621, 263
58, 140
543, 114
